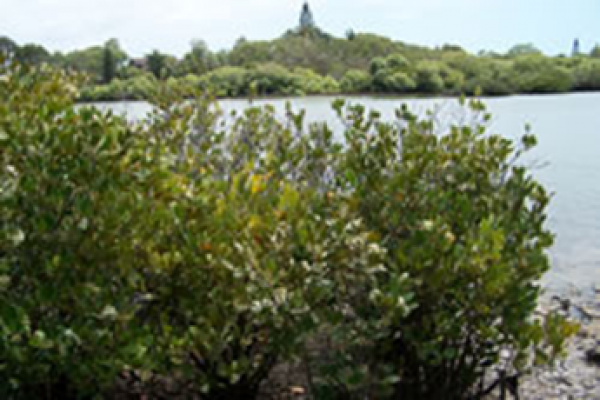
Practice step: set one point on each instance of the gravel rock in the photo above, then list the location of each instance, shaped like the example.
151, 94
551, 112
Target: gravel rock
578, 375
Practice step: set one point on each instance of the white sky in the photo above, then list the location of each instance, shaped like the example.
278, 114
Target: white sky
170, 25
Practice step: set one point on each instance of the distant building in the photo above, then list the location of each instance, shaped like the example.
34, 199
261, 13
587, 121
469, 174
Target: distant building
576, 48
306, 18
141, 63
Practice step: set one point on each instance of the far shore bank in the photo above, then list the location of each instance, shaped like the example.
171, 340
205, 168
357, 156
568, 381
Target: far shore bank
365, 95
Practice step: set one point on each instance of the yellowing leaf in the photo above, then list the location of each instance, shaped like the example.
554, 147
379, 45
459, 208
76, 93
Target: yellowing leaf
257, 184
290, 198
254, 222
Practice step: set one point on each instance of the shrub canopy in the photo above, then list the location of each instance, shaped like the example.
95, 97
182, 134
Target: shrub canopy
191, 253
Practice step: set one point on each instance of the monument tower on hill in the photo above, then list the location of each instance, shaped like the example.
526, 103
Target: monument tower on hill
306, 17
576, 48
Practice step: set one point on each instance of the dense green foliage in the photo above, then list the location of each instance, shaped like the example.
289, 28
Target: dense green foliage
67, 195
189, 254
465, 225
309, 61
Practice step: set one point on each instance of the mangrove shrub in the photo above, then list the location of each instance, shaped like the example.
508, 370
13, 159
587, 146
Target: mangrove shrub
190, 253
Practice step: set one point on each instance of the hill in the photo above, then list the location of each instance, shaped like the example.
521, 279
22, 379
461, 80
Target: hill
308, 60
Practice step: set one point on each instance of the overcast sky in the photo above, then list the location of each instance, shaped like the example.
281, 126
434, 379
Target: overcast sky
170, 25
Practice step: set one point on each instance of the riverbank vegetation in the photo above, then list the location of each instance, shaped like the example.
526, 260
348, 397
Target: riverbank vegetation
188, 256
310, 61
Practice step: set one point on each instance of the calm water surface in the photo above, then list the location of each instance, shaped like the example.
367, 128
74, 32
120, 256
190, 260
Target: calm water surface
568, 131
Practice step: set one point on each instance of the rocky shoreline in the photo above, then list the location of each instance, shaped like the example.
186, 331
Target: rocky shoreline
576, 377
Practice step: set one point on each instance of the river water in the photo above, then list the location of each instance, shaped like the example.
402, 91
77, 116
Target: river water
567, 160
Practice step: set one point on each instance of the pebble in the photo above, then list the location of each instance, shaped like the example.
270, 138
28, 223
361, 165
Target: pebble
593, 355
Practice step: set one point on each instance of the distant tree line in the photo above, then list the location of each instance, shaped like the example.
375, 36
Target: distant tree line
310, 61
